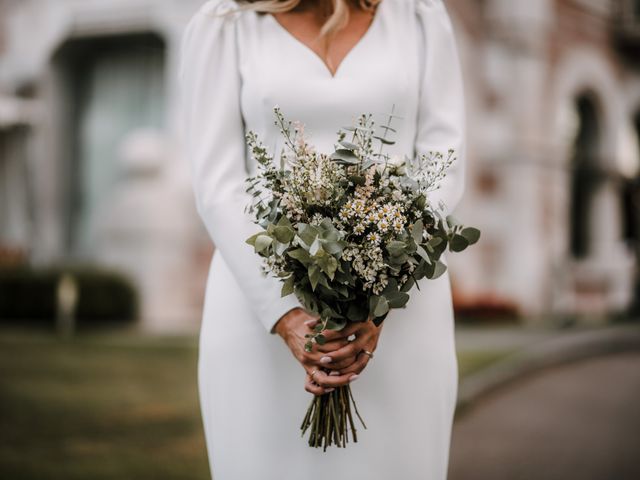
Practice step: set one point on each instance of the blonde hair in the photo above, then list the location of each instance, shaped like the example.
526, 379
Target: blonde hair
338, 19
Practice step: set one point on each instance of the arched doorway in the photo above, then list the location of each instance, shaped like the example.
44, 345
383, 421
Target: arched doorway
113, 85
586, 174
631, 209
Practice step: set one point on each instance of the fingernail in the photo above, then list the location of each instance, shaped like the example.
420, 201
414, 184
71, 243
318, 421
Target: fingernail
329, 390
334, 373
326, 359
353, 378
310, 322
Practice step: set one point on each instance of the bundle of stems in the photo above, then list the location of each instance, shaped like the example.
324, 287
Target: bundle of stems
330, 418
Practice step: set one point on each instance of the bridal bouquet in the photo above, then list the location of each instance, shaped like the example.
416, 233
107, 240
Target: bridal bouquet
350, 233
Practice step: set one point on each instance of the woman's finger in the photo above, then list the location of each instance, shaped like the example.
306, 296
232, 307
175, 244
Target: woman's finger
311, 387
343, 353
314, 387
362, 360
349, 329
325, 380
331, 346
339, 365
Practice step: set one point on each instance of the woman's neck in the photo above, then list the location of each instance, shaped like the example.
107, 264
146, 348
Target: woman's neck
324, 8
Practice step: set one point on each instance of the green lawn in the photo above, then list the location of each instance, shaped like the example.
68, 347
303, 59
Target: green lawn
99, 408
118, 407
474, 361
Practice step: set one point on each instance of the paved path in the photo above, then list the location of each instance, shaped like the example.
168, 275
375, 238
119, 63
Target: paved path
580, 421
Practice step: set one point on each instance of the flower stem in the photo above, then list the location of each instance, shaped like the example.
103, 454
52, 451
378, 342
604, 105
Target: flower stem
329, 419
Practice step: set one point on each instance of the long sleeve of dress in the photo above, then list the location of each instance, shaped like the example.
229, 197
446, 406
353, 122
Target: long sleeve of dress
213, 134
441, 111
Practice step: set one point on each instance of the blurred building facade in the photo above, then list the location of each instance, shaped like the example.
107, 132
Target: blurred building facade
90, 168
553, 90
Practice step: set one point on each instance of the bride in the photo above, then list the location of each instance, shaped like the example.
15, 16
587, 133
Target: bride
323, 63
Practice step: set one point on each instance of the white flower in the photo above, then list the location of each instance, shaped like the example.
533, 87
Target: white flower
373, 237
383, 225
396, 160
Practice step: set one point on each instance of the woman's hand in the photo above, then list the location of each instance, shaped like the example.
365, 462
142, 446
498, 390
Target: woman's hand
293, 327
349, 358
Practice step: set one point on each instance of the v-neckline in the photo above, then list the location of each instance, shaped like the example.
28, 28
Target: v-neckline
316, 56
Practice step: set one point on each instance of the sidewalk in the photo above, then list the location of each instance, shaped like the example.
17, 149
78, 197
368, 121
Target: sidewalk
528, 350
578, 420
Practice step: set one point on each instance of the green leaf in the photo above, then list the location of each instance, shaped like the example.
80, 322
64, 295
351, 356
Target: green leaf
348, 145
396, 248
378, 305
262, 243
333, 248
307, 233
301, 255
315, 247
354, 128
284, 234
458, 243
279, 248
357, 312
336, 324
471, 234
452, 221
321, 340
399, 300
252, 239
345, 156
422, 252
284, 222
416, 231
435, 241
438, 269
314, 276
287, 286
384, 140
358, 179
408, 285
328, 264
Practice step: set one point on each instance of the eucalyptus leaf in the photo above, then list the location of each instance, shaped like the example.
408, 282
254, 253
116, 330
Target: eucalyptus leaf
438, 269
423, 254
284, 234
399, 300
262, 243
346, 156
458, 243
287, 286
396, 247
417, 230
314, 276
378, 305
452, 221
348, 145
386, 141
315, 247
301, 255
471, 234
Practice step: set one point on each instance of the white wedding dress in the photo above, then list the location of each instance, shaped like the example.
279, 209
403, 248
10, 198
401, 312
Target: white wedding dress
234, 70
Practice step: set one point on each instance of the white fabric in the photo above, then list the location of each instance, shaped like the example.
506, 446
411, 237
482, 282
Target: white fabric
234, 69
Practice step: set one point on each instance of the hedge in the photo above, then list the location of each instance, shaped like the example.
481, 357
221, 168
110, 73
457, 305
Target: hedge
30, 294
